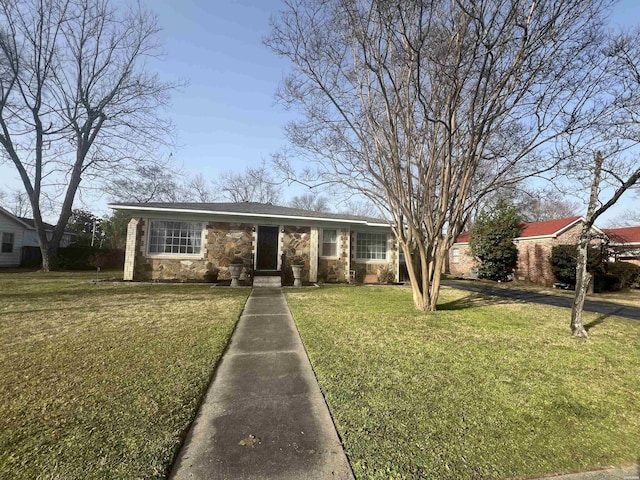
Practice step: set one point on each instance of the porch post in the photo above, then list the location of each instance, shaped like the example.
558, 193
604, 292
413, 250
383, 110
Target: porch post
130, 249
313, 255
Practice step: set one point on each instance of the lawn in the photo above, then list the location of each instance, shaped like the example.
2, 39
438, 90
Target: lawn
483, 388
102, 380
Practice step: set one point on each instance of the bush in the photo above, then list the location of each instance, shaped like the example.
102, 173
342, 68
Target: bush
492, 244
606, 282
563, 262
88, 258
386, 275
361, 272
627, 274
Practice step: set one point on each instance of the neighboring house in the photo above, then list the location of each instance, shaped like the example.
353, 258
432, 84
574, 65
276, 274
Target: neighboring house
197, 241
624, 244
534, 249
19, 239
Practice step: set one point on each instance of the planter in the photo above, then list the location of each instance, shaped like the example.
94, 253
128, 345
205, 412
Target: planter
235, 270
297, 275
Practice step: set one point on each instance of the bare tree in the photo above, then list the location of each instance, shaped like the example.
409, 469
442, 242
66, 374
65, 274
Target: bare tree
255, 184
428, 107
77, 102
148, 183
540, 205
613, 168
16, 202
596, 207
312, 201
198, 189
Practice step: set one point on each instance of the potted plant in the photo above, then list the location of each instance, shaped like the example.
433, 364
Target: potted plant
235, 270
297, 265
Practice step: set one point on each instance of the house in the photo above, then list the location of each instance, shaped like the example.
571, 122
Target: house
197, 241
624, 244
20, 241
534, 249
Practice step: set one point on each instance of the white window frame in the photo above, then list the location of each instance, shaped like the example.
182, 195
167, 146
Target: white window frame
322, 242
200, 254
12, 243
455, 255
372, 260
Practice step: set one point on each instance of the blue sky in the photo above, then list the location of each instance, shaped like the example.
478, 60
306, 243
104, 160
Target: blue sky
226, 117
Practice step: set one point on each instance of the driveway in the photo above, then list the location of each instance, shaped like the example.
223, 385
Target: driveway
603, 308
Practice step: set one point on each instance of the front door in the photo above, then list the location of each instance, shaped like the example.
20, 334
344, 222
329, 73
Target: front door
267, 249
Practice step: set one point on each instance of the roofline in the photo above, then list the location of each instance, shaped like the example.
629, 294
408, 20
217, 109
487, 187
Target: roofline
16, 219
549, 235
244, 214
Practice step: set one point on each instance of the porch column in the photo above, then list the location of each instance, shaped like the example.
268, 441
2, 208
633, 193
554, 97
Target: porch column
130, 249
345, 252
313, 255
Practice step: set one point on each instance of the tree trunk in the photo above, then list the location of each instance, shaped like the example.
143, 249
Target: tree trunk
583, 279
49, 252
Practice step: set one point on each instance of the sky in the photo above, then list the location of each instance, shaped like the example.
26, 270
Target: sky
226, 117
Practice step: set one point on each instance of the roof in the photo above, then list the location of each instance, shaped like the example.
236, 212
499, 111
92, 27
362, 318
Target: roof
249, 209
623, 235
31, 224
28, 223
548, 228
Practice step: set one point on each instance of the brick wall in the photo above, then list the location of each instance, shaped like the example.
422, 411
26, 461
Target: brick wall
460, 265
533, 257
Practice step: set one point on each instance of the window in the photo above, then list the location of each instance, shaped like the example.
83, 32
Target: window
7, 242
456, 255
329, 243
182, 238
371, 246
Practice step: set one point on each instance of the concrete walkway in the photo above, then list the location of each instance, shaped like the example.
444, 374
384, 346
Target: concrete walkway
263, 416
603, 308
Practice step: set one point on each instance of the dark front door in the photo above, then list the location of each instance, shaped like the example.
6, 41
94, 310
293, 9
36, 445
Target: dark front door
267, 250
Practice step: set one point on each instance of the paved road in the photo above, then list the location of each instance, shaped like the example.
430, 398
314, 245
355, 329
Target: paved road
264, 416
603, 308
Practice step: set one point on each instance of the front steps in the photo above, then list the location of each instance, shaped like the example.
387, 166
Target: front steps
267, 281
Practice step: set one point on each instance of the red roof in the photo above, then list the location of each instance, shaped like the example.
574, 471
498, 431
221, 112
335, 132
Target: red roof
623, 235
535, 229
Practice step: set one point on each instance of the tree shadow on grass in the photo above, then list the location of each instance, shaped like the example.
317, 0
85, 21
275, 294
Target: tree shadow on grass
596, 322
473, 300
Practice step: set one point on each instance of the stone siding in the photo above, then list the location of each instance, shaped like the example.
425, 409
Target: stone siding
222, 242
368, 271
296, 242
337, 269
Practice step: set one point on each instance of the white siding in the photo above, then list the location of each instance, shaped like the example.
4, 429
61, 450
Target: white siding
11, 259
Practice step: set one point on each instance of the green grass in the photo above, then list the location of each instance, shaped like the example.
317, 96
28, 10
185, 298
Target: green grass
482, 388
102, 380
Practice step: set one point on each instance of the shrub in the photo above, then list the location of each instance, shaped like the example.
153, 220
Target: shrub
361, 272
563, 262
606, 282
492, 241
108, 258
386, 274
627, 274
76, 258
